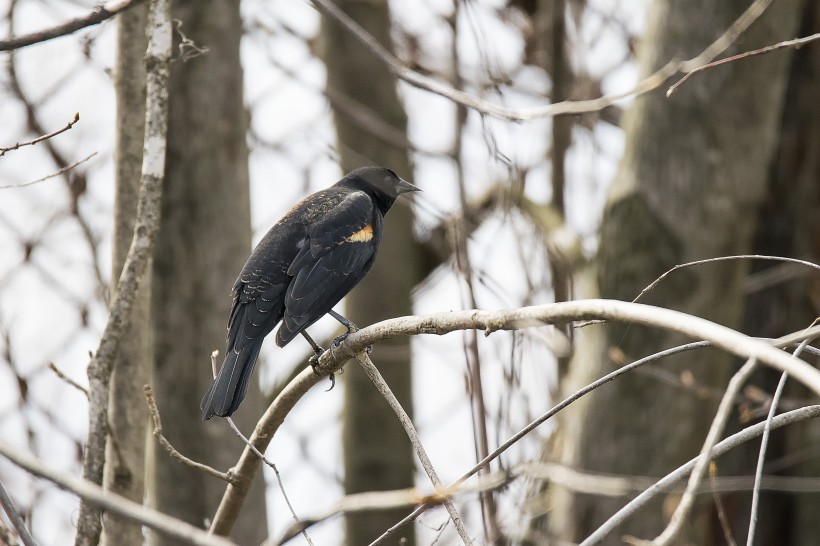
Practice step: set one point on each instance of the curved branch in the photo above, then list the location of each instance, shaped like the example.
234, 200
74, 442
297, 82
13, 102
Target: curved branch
102, 13
490, 321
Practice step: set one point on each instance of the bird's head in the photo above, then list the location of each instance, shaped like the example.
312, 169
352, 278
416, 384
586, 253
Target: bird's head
381, 181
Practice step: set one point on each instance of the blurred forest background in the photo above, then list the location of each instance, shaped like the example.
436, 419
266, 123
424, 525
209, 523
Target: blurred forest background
271, 100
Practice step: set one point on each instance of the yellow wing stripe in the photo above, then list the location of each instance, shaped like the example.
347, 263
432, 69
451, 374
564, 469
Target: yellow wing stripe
361, 236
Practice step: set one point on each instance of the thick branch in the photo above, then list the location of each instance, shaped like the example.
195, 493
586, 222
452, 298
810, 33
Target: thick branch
490, 321
102, 13
145, 229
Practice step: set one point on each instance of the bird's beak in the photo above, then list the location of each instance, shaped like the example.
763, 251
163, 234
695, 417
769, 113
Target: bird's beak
405, 186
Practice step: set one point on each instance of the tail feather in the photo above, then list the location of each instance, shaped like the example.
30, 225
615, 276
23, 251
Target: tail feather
231, 384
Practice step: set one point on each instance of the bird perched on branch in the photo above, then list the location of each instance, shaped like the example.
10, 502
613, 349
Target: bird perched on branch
300, 269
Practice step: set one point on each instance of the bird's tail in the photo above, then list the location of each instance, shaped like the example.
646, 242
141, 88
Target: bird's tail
231, 383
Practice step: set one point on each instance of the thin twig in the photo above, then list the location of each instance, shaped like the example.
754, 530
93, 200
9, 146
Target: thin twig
657, 281
297, 522
111, 502
764, 443
653, 81
796, 43
176, 455
32, 142
63, 170
749, 433
715, 430
15, 518
721, 510
100, 14
59, 373
381, 385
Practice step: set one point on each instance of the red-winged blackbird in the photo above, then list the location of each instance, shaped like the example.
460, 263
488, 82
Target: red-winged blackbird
303, 266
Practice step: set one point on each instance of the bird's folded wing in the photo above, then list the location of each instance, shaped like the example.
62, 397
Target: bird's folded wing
330, 262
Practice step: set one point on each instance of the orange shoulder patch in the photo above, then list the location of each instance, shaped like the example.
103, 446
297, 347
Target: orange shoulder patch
361, 236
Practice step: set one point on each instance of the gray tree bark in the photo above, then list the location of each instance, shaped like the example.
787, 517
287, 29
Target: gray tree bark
205, 239
125, 453
692, 177
377, 453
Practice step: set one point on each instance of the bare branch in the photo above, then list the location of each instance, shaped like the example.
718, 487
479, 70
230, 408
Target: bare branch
796, 43
32, 142
715, 430
657, 281
15, 518
63, 170
364, 361
102, 13
176, 455
489, 321
623, 369
59, 373
721, 509
764, 442
142, 244
749, 433
110, 502
650, 83
296, 520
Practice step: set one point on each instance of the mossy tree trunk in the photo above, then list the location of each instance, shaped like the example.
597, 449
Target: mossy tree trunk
689, 186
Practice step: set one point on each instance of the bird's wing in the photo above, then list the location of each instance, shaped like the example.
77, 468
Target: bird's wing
332, 259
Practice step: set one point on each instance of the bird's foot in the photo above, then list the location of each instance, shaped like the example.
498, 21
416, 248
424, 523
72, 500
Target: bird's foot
314, 360
339, 339
314, 364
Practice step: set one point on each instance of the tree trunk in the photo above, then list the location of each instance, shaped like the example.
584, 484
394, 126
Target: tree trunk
125, 452
788, 226
377, 453
688, 187
204, 241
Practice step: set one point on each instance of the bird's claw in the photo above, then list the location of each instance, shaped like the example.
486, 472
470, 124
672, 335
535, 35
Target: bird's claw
332, 378
338, 341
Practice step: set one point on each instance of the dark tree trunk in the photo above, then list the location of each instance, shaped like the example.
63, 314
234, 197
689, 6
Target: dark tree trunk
782, 298
204, 240
377, 453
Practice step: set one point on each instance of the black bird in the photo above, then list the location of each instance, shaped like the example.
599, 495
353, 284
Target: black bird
300, 269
